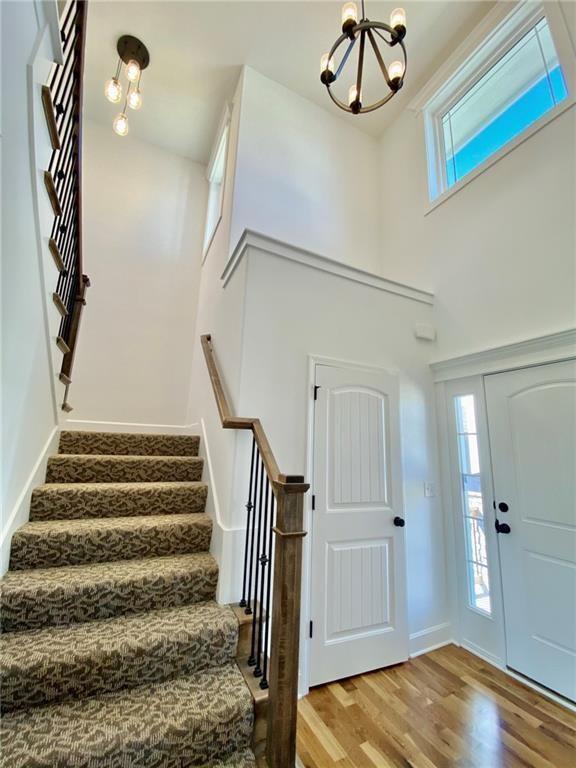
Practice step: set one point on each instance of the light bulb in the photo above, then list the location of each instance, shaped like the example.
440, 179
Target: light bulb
132, 70
135, 99
120, 124
349, 16
113, 90
353, 95
398, 18
395, 71
326, 69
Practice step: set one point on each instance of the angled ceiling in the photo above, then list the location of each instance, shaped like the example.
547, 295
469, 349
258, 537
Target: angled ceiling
197, 50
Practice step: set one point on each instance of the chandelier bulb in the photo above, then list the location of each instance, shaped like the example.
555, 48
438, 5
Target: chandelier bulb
395, 73
349, 17
132, 70
354, 100
120, 124
113, 90
327, 69
398, 22
135, 99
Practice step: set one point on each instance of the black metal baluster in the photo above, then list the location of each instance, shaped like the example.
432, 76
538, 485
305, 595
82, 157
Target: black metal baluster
263, 560
248, 609
252, 659
249, 507
264, 681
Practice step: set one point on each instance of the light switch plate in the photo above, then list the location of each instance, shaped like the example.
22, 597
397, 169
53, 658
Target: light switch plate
429, 489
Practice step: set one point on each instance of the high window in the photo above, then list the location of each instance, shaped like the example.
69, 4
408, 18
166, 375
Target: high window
511, 83
472, 505
216, 174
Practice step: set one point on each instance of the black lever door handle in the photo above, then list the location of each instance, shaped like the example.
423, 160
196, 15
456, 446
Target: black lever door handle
399, 522
502, 527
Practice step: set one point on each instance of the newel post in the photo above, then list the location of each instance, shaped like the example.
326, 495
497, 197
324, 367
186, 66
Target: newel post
283, 692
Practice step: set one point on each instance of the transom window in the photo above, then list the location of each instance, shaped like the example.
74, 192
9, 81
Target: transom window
472, 505
512, 83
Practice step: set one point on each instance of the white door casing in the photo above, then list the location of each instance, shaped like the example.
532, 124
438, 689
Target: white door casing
532, 424
358, 559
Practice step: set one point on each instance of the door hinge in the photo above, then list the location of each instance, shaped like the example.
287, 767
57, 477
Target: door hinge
313, 502
311, 628
316, 388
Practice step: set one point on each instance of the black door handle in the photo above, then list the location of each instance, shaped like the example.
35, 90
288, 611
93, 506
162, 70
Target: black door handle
399, 522
503, 507
502, 527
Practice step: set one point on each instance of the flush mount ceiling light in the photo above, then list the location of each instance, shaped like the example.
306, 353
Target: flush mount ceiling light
133, 54
373, 32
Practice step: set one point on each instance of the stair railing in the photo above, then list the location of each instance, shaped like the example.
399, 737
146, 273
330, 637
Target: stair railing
272, 575
62, 100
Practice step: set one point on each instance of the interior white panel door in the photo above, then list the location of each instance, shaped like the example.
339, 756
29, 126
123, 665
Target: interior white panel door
358, 561
532, 423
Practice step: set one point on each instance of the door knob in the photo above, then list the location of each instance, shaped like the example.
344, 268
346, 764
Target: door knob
399, 522
503, 507
502, 527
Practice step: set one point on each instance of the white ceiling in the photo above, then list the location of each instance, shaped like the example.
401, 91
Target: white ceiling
197, 50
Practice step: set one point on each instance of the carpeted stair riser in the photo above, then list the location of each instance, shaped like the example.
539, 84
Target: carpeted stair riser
118, 444
244, 759
78, 542
52, 596
189, 721
65, 468
75, 501
83, 660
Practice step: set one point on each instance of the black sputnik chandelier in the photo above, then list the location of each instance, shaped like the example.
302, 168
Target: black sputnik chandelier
359, 32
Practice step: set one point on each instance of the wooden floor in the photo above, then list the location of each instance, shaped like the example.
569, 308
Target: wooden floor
447, 708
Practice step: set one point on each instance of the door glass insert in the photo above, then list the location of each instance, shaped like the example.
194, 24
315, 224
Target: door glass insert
472, 505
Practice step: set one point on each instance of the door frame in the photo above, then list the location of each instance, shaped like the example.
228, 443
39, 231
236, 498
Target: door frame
470, 372
306, 599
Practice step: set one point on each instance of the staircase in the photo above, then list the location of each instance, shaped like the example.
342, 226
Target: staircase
113, 651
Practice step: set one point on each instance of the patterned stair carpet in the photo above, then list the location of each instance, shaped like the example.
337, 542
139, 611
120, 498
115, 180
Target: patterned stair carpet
113, 652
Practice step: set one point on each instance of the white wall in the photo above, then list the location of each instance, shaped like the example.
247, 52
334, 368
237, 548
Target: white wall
29, 411
500, 254
293, 311
304, 176
144, 212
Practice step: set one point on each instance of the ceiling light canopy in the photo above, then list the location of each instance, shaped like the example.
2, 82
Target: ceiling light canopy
133, 54
359, 32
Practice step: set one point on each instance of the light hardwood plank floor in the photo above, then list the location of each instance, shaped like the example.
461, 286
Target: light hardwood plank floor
445, 709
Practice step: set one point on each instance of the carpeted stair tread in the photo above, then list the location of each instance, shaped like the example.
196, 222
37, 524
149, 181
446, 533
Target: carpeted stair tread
244, 759
92, 468
80, 660
188, 721
67, 501
122, 443
53, 543
49, 596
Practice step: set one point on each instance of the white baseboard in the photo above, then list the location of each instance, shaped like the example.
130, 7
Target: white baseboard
491, 658
21, 510
429, 639
78, 425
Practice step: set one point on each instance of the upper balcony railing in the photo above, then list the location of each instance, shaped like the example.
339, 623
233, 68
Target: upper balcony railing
62, 99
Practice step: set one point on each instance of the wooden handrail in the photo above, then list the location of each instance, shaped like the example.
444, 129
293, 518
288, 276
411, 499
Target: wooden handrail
235, 422
289, 492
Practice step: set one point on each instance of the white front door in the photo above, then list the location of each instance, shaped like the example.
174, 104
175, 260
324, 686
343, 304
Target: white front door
358, 568
532, 424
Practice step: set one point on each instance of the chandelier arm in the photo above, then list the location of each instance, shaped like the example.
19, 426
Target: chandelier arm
388, 42
379, 58
345, 58
338, 103
378, 104
360, 66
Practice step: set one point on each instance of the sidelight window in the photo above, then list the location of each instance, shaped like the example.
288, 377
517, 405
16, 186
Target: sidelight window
473, 508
